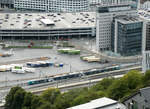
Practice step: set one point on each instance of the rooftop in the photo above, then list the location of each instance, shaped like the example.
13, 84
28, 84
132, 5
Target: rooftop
60, 20
114, 8
102, 103
128, 19
144, 14
145, 92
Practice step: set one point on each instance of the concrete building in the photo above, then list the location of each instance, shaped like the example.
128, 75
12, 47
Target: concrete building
139, 100
52, 5
145, 15
101, 103
127, 33
104, 19
46, 25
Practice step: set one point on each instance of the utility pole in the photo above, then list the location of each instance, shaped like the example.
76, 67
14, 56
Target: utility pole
70, 67
6, 80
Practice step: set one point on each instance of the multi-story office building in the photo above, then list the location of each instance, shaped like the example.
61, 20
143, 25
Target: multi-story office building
145, 15
104, 19
53, 5
127, 35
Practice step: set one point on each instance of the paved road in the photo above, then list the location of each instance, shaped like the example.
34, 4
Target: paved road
90, 46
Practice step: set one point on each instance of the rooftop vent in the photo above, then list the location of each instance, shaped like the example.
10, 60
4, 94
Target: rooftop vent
47, 22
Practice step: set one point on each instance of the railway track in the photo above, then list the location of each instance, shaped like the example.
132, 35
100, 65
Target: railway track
91, 78
65, 85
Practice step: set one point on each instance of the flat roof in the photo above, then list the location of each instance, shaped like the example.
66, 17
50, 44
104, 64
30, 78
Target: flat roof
144, 14
129, 19
101, 102
47, 21
61, 20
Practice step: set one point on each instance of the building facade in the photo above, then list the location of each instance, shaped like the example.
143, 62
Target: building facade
146, 49
53, 5
146, 40
127, 35
104, 19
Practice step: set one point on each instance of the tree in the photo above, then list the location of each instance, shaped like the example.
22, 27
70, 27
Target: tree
50, 95
118, 89
133, 79
14, 99
125, 85
36, 102
46, 105
146, 78
103, 85
27, 100
65, 100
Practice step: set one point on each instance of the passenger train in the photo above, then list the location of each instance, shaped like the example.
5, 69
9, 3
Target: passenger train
73, 75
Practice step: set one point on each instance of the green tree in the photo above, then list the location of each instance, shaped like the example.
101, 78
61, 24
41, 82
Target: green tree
46, 105
146, 78
14, 99
65, 100
103, 85
27, 100
36, 102
50, 95
133, 78
125, 85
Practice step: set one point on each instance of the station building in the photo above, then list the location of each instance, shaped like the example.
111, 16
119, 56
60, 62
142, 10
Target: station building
46, 25
104, 19
127, 33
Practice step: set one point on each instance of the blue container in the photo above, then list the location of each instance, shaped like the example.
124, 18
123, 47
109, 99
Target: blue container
61, 65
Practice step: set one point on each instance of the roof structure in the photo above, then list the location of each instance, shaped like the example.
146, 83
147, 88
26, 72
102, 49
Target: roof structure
47, 21
101, 103
144, 14
144, 92
128, 19
33, 20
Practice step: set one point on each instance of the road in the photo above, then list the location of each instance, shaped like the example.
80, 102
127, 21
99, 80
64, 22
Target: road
89, 45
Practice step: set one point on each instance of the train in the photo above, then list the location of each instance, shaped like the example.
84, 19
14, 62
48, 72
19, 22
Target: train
73, 75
